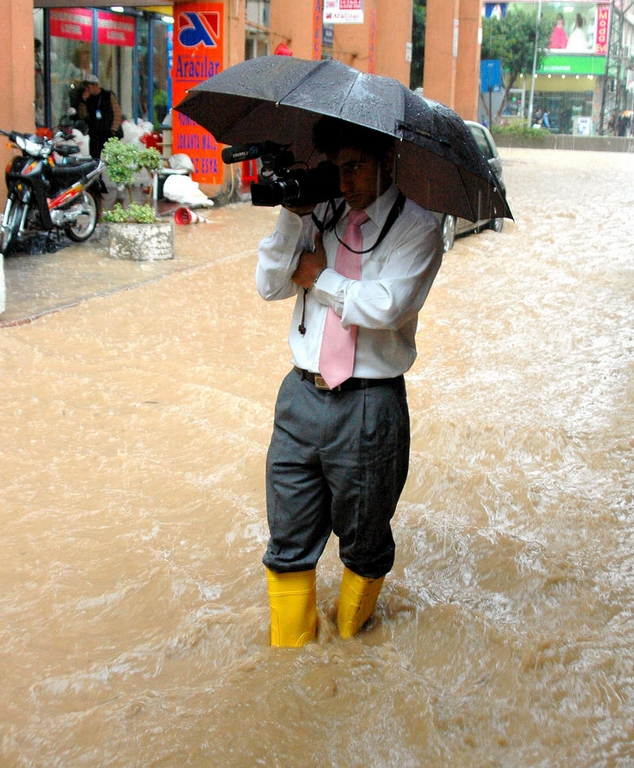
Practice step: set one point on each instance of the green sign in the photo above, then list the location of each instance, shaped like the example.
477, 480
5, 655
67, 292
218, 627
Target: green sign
573, 65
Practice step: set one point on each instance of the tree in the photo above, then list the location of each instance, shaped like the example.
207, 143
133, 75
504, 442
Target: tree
418, 44
512, 40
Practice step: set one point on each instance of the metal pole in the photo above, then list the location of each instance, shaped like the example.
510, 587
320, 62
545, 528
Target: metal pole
534, 73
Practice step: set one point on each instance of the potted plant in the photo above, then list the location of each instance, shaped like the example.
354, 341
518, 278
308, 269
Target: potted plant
123, 161
136, 232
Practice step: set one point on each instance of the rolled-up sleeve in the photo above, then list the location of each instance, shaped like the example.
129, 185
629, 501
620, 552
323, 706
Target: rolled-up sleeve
278, 255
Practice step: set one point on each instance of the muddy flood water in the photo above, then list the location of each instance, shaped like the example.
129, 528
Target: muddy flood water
133, 607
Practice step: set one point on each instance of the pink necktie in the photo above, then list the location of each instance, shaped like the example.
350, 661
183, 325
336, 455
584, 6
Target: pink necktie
336, 361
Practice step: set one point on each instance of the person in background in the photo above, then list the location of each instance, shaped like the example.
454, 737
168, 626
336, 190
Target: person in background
623, 123
80, 68
100, 110
339, 453
40, 120
558, 37
578, 42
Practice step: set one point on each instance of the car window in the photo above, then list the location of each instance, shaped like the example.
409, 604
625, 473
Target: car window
481, 141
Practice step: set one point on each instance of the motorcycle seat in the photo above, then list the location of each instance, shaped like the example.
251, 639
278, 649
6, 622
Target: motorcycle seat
74, 167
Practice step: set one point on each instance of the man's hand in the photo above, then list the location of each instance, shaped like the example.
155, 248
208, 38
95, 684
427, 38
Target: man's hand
304, 210
310, 264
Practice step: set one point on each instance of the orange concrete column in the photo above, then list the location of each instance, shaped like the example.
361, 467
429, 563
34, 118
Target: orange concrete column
17, 73
292, 24
235, 17
452, 54
377, 45
468, 69
441, 50
352, 42
394, 25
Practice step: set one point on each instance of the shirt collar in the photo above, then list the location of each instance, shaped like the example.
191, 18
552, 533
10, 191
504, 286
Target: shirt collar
379, 210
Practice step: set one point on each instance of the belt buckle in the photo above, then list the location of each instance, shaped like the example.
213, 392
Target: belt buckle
320, 382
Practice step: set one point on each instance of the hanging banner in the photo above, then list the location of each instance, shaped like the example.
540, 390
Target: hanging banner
603, 29
374, 31
71, 23
343, 11
317, 29
198, 55
495, 10
115, 29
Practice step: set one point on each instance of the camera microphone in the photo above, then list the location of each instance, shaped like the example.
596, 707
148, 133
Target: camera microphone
241, 152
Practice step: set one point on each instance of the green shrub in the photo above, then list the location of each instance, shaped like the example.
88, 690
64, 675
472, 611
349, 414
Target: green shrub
519, 129
124, 160
141, 214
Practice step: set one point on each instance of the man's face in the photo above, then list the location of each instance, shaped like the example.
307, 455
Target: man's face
362, 178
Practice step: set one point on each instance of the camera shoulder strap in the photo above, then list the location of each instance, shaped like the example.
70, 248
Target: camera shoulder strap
323, 226
393, 215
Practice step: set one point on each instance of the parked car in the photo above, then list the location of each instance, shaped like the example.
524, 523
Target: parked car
453, 226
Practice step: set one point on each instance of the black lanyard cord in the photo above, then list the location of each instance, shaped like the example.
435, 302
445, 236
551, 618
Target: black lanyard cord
393, 215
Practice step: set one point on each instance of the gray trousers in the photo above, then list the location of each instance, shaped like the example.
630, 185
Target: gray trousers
337, 462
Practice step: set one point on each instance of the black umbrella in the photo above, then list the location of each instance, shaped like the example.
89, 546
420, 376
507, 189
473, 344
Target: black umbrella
279, 99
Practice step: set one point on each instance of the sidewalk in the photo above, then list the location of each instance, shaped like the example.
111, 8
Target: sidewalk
40, 283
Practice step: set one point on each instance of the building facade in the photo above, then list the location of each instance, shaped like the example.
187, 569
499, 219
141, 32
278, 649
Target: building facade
133, 49
586, 75
128, 49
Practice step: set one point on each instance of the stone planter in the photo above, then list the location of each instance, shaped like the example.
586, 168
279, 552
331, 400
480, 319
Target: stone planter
142, 242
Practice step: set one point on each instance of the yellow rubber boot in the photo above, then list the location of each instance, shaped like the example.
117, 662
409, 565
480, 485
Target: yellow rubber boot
293, 602
357, 600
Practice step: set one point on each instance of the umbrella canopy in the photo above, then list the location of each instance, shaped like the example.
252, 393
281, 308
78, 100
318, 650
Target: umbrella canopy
279, 99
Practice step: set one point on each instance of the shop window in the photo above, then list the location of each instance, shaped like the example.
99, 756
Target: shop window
40, 73
160, 84
70, 57
116, 35
258, 12
257, 29
143, 69
255, 45
128, 51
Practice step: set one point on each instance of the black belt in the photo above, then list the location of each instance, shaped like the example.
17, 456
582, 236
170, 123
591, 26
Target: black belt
346, 386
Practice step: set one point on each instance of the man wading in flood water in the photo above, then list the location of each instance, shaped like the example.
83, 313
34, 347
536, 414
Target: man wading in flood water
339, 452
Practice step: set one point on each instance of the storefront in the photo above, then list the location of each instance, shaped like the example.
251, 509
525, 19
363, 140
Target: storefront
128, 49
570, 78
570, 81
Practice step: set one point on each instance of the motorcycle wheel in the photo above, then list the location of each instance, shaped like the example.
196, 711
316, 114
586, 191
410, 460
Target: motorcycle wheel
84, 225
10, 228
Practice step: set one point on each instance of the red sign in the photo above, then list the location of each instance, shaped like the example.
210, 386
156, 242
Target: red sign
198, 55
603, 29
71, 23
115, 29
343, 11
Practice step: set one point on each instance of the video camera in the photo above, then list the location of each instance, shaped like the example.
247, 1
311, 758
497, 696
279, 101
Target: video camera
282, 184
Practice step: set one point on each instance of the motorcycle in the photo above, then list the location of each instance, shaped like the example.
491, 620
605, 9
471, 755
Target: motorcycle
48, 190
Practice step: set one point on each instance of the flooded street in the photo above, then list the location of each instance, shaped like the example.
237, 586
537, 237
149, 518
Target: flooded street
133, 609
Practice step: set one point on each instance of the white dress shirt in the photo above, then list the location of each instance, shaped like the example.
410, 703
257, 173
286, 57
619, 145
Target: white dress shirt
395, 280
